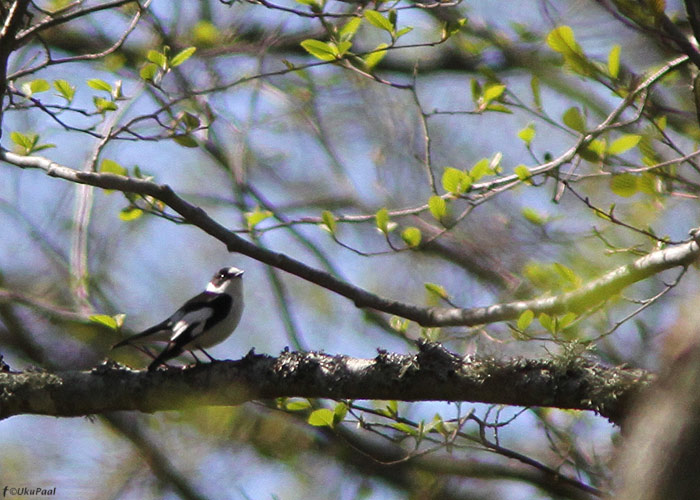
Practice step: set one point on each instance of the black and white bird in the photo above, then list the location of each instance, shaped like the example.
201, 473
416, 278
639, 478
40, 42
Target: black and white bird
203, 321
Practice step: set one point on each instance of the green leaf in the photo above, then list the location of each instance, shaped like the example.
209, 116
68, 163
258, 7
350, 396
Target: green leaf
566, 320
373, 58
339, 412
455, 181
157, 58
149, 72
103, 105
348, 31
493, 91
567, 274
527, 134
130, 213
382, 217
379, 21
403, 31
256, 217
438, 207
398, 324
105, 320
562, 40
298, 405
412, 236
322, 418
112, 167
98, 84
523, 173
624, 185
405, 428
320, 50
614, 61
452, 27
532, 216
25, 141
35, 86
480, 169
438, 290
186, 140
205, 33
573, 119
64, 88
182, 56
525, 319
624, 143
190, 121
328, 221
547, 322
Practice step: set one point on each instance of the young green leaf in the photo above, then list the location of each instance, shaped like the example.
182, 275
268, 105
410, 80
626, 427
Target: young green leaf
256, 217
566, 320
573, 119
98, 84
547, 322
25, 141
412, 236
493, 91
328, 221
130, 213
65, 89
533, 216
149, 72
614, 61
523, 173
455, 181
297, 405
525, 319
562, 40
379, 21
374, 57
322, 418
112, 167
382, 217
104, 105
182, 56
438, 290
480, 169
624, 143
320, 50
398, 324
536, 96
348, 31
438, 207
624, 185
157, 58
35, 86
527, 134
105, 320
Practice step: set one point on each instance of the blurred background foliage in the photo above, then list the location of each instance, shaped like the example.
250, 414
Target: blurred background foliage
371, 141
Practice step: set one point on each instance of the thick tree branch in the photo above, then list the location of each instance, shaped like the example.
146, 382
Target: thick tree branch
578, 300
433, 374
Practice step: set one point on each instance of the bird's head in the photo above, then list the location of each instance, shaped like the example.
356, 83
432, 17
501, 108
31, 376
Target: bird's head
225, 280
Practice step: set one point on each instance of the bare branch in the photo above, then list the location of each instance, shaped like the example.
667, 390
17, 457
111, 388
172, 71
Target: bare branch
578, 300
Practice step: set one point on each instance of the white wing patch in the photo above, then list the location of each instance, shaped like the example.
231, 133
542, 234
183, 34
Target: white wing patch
194, 321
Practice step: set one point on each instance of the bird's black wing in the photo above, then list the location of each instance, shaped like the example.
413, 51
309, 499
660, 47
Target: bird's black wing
205, 312
203, 300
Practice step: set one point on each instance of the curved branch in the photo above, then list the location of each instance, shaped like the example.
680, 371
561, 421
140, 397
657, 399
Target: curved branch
434, 374
593, 293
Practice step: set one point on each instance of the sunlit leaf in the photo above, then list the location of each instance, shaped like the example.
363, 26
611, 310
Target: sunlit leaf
527, 134
525, 319
322, 418
328, 221
98, 84
624, 185
455, 181
112, 167
437, 206
379, 21
436, 289
624, 143
614, 61
573, 119
157, 58
412, 236
65, 89
105, 320
320, 50
374, 58
130, 213
182, 56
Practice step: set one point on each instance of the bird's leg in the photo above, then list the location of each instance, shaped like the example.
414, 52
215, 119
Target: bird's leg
207, 354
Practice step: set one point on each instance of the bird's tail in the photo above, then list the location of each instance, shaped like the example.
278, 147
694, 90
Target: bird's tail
170, 352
